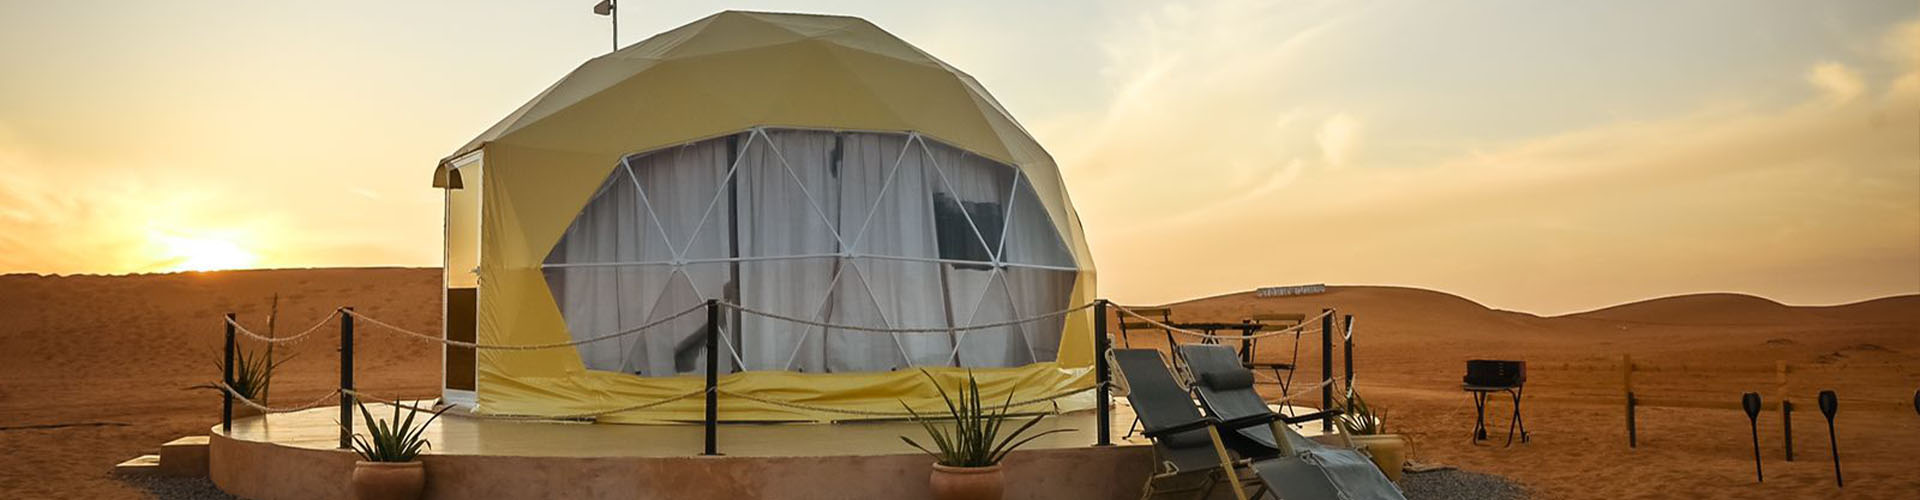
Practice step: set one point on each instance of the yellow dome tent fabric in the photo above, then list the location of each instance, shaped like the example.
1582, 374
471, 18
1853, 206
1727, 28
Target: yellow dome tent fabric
724, 74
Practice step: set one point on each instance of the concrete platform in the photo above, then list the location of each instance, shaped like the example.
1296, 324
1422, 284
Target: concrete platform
294, 455
186, 456
138, 466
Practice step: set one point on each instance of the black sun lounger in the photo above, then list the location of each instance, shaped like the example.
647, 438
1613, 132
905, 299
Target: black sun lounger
1296, 467
1189, 458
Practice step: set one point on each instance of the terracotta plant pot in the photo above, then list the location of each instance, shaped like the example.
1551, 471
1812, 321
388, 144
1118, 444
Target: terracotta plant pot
1389, 452
388, 480
967, 483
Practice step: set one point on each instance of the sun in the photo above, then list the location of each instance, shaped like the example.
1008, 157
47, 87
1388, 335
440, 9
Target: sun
204, 254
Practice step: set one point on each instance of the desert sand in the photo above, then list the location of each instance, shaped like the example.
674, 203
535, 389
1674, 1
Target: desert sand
121, 350
1411, 347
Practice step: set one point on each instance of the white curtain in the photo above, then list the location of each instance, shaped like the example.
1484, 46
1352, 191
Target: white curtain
612, 269
846, 228
782, 181
885, 205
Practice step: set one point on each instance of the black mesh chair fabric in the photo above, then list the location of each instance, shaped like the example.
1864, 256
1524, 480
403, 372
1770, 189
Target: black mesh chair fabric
1162, 403
1313, 470
1219, 371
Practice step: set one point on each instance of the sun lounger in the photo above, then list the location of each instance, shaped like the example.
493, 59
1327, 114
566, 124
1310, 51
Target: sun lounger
1189, 457
1294, 466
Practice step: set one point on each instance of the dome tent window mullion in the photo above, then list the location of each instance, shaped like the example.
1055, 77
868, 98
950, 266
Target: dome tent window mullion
626, 164
808, 194
973, 315
963, 209
820, 313
1006, 224
1014, 305
885, 186
734, 167
867, 284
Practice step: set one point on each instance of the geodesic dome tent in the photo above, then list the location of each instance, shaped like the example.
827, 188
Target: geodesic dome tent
826, 177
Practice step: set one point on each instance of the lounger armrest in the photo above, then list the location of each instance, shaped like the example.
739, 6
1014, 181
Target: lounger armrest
1201, 423
1249, 421
1318, 415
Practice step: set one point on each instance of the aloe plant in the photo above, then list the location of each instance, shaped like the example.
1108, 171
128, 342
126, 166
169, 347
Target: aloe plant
973, 440
393, 440
252, 373
1361, 419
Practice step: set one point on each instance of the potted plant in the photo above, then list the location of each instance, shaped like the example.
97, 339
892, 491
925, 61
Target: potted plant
389, 466
967, 463
1368, 428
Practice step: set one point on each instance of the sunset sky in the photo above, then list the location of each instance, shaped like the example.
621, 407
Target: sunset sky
1539, 156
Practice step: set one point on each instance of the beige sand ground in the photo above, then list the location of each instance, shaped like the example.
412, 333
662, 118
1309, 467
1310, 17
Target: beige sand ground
119, 349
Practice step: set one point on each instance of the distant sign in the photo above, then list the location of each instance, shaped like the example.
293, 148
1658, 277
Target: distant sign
1284, 291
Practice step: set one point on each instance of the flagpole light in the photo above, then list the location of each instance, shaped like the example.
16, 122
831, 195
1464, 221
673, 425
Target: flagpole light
607, 8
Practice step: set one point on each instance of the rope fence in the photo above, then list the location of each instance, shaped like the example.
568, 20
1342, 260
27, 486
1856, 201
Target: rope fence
877, 413
715, 331
326, 399
287, 339
1295, 330
1302, 392
872, 329
524, 347
316, 403
570, 416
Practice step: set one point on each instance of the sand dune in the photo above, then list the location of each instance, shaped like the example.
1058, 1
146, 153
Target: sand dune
1737, 309
120, 349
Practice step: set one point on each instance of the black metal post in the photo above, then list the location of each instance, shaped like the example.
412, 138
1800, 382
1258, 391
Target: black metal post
226, 393
346, 378
1326, 367
713, 378
1348, 364
1751, 403
1786, 426
1828, 405
1633, 434
1103, 422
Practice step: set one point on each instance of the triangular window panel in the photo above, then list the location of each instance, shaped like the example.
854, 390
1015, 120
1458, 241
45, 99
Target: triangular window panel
795, 288
970, 198
997, 346
851, 350
910, 295
1037, 292
784, 188
1031, 236
679, 346
884, 206
686, 188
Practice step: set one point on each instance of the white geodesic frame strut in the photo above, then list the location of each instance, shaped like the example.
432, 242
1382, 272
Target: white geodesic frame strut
851, 256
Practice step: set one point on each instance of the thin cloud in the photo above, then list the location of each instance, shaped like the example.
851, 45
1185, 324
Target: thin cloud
1837, 82
1339, 139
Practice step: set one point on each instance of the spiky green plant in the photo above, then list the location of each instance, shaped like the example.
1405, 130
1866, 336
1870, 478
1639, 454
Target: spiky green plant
973, 440
1361, 419
393, 440
252, 373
